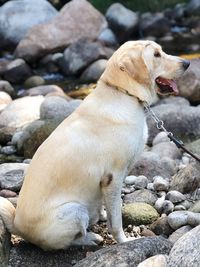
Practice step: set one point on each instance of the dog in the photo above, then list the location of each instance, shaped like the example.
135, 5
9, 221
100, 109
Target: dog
84, 161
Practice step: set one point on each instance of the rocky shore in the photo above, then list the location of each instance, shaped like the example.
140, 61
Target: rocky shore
161, 195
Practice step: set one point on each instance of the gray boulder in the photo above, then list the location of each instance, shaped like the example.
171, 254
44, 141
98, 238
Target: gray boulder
157, 260
185, 251
179, 118
179, 233
122, 21
127, 254
17, 17
12, 175
77, 19
189, 83
150, 165
80, 55
142, 195
94, 71
108, 38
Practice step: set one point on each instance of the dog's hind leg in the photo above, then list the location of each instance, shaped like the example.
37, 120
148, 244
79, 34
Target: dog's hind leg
68, 226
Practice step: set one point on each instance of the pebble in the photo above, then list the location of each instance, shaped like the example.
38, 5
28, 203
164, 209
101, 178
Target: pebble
175, 196
7, 193
160, 184
8, 150
177, 219
138, 181
179, 207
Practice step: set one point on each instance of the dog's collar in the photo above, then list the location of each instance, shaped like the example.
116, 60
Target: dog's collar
124, 91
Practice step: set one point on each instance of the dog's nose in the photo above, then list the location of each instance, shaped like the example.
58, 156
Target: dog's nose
186, 64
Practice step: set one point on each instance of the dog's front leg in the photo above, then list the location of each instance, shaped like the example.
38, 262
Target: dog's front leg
111, 190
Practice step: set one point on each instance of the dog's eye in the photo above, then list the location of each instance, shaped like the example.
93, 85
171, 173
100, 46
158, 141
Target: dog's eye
157, 54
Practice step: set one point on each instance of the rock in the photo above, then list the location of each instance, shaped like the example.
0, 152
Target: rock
160, 184
6, 134
195, 207
17, 71
43, 90
177, 116
161, 226
185, 251
4, 245
175, 196
20, 112
151, 165
160, 138
138, 181
34, 81
7, 193
5, 99
21, 15
179, 233
193, 218
189, 83
94, 71
127, 254
142, 195
186, 180
177, 219
179, 207
192, 8
6, 87
138, 213
122, 21
8, 150
154, 25
80, 54
108, 38
194, 147
167, 149
157, 260
34, 135
55, 107
84, 20
12, 175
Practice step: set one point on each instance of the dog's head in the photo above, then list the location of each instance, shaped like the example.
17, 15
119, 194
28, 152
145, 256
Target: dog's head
142, 68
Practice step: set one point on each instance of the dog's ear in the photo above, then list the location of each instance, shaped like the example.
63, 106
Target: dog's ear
133, 64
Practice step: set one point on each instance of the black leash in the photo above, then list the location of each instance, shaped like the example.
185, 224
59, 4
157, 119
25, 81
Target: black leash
160, 126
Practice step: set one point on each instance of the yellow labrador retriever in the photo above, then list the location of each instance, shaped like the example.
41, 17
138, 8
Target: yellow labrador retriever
84, 161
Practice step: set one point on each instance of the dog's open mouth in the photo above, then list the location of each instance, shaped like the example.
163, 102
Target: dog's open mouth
166, 86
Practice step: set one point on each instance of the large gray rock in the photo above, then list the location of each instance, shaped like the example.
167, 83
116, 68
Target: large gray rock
77, 19
94, 71
154, 25
12, 175
167, 149
122, 21
143, 195
179, 118
6, 87
80, 54
34, 135
150, 165
17, 17
17, 71
157, 260
21, 111
179, 233
189, 83
185, 251
187, 179
4, 245
127, 254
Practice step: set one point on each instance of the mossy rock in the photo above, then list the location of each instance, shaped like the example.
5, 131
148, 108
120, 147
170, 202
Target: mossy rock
138, 213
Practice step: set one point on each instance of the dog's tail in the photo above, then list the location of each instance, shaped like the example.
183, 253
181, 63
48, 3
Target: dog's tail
7, 213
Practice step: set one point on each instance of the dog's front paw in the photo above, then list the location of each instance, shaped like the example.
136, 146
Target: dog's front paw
93, 239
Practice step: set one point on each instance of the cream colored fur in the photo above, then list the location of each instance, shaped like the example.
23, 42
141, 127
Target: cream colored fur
84, 161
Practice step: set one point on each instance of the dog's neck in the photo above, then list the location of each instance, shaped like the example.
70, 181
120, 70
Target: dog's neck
124, 91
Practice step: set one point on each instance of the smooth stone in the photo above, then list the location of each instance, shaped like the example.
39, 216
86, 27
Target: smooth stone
138, 213
127, 254
177, 219
179, 233
179, 207
5, 99
161, 226
8, 150
93, 72
195, 207
44, 90
161, 137
193, 147
108, 38
6, 87
157, 260
185, 251
175, 196
7, 193
12, 175
34, 81
138, 181
167, 149
160, 184
142, 195
193, 218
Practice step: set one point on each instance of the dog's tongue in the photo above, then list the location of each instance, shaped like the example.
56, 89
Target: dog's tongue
167, 86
